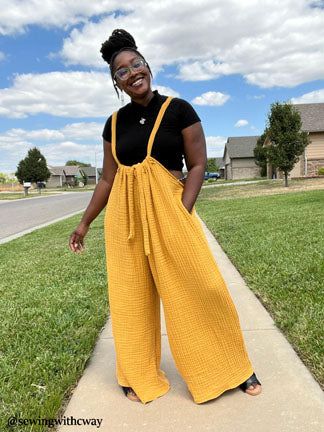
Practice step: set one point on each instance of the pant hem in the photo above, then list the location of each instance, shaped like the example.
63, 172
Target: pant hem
215, 394
147, 399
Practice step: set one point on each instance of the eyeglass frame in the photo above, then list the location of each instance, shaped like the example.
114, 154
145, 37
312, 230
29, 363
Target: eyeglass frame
130, 68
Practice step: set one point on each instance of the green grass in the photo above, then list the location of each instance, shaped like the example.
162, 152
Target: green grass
277, 244
45, 192
53, 305
222, 180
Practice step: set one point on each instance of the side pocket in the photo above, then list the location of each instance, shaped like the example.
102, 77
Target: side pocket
184, 209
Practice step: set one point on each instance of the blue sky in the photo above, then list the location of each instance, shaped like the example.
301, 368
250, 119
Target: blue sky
230, 59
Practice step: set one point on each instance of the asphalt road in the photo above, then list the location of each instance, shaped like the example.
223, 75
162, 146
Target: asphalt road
23, 214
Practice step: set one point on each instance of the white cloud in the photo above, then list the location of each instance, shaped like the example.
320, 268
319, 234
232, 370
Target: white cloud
288, 56
59, 153
167, 91
55, 153
241, 123
78, 131
57, 145
311, 97
211, 98
215, 146
63, 94
16, 15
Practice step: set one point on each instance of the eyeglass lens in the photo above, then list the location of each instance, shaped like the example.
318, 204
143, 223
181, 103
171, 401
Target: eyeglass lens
123, 73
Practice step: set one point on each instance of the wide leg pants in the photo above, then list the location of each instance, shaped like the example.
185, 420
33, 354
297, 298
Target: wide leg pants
156, 249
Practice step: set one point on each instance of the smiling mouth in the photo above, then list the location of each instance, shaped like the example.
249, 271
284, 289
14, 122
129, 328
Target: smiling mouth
138, 82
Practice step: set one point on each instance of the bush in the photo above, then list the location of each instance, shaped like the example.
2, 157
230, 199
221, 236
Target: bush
320, 171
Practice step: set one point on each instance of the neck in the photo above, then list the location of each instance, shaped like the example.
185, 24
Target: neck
145, 100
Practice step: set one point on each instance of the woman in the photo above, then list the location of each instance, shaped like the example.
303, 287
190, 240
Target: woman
155, 245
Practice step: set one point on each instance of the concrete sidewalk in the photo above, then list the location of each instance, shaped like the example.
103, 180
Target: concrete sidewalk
291, 399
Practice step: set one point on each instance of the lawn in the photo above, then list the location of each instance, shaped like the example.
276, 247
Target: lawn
34, 193
277, 244
54, 303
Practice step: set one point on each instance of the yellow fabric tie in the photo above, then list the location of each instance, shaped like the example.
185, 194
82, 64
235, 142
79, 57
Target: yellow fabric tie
139, 172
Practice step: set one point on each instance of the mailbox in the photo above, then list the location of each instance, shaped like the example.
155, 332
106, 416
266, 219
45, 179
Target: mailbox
26, 186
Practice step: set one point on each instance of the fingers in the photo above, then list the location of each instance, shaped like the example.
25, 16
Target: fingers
76, 243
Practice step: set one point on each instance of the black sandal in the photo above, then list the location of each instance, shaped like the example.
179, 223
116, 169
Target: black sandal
127, 390
250, 381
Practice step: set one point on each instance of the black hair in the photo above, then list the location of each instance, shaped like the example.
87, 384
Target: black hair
120, 40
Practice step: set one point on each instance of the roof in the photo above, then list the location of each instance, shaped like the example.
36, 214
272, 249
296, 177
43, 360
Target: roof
89, 171
312, 116
241, 147
69, 169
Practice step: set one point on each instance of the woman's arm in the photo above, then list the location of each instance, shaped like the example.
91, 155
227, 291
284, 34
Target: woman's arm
102, 190
195, 154
98, 200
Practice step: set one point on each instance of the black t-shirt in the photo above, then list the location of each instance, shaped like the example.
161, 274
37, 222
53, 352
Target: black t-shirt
132, 132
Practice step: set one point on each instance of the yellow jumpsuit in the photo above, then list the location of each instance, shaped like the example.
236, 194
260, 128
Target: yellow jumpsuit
156, 249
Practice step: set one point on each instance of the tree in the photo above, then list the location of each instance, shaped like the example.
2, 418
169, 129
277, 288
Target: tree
83, 177
33, 168
260, 154
77, 163
212, 166
287, 141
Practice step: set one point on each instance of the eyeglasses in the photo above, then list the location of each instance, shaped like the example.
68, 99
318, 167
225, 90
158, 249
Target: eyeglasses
124, 72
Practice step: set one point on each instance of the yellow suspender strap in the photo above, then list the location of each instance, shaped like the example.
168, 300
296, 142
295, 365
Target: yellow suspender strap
157, 124
113, 136
152, 135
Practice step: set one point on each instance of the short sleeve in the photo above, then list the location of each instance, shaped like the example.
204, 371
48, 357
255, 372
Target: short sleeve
186, 113
106, 134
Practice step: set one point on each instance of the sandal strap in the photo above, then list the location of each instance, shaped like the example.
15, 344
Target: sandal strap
250, 381
126, 389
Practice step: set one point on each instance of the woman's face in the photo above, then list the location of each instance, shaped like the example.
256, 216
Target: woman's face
138, 83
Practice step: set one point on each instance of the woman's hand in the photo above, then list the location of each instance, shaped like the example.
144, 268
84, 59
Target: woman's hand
77, 237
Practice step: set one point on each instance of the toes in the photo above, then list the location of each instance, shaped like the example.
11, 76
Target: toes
254, 389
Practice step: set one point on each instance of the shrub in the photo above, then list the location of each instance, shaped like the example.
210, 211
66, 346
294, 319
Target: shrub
320, 171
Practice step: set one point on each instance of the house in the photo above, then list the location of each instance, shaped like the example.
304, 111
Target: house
312, 117
90, 172
238, 157
60, 175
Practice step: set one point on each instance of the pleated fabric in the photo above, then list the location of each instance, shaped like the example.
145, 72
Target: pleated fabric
156, 249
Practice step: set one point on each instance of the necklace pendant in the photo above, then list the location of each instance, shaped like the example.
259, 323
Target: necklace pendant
142, 121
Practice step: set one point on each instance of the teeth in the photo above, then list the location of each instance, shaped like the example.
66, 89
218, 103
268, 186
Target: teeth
137, 82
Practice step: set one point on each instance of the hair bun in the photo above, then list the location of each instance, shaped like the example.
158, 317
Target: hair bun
119, 39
